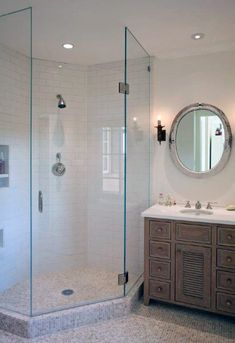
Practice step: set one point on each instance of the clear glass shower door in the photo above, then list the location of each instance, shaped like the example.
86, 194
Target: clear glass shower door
137, 166
78, 235
15, 163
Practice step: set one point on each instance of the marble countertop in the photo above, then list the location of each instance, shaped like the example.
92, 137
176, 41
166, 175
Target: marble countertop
220, 215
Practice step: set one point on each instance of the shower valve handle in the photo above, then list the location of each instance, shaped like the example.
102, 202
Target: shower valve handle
40, 202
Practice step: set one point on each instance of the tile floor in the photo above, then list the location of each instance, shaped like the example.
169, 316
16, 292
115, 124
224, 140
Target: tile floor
157, 323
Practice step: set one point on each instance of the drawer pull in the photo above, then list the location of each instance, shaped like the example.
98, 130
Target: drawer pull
229, 281
159, 269
229, 237
159, 289
229, 303
159, 229
229, 259
160, 248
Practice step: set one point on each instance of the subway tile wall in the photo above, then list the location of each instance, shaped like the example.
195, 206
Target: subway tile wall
105, 110
14, 200
82, 224
59, 233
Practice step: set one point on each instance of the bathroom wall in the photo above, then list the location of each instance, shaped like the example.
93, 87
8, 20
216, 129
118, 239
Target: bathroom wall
178, 83
14, 200
82, 224
60, 232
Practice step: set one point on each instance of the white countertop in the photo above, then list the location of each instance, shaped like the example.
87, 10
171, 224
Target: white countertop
219, 216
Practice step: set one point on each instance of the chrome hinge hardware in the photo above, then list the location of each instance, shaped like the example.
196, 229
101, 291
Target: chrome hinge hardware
123, 88
122, 279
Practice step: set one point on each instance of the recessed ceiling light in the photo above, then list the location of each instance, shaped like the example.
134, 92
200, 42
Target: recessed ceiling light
197, 36
60, 66
68, 45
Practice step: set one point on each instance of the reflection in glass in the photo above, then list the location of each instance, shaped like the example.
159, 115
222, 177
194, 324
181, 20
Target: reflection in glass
200, 140
113, 157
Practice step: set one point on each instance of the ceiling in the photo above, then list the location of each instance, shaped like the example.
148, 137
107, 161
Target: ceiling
96, 27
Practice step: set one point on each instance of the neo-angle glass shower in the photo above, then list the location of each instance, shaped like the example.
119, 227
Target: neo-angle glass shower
73, 179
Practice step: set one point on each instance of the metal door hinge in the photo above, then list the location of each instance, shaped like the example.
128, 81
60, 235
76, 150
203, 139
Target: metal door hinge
122, 279
149, 68
124, 88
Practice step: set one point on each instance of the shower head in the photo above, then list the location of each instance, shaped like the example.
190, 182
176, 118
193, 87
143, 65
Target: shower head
61, 103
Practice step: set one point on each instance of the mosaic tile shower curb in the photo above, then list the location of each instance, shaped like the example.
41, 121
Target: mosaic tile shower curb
30, 327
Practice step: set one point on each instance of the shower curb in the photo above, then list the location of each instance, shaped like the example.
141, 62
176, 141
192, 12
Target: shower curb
30, 327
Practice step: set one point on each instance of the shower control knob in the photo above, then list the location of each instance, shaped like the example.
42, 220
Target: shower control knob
58, 169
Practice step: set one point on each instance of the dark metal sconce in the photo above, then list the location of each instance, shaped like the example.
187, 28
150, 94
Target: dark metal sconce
161, 134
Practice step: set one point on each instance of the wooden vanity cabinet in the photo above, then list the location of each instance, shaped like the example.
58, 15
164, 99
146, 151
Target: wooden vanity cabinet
191, 264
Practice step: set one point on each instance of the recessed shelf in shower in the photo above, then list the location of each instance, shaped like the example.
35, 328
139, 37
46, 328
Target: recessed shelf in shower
4, 166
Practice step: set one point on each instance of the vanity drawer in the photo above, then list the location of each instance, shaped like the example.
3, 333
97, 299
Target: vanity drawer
160, 249
226, 258
226, 280
226, 236
193, 233
159, 289
160, 229
225, 302
160, 269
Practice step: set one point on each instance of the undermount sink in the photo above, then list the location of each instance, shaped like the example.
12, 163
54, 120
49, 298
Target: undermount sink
195, 211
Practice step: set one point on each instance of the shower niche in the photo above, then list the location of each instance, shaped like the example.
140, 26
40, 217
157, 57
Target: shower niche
4, 166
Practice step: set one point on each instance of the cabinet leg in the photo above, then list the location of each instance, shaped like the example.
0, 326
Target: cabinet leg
146, 301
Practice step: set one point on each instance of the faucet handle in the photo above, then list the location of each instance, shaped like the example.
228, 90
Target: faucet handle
198, 205
209, 207
187, 205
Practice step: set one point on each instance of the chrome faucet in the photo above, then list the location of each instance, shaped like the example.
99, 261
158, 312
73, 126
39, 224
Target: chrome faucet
187, 205
198, 205
209, 205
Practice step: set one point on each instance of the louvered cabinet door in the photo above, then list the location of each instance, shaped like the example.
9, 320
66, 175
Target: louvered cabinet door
193, 275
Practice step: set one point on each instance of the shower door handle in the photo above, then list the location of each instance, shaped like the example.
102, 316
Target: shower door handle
40, 202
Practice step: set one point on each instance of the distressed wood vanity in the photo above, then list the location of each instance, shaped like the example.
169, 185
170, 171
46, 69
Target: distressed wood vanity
190, 262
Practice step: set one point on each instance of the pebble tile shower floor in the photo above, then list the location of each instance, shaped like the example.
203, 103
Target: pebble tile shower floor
89, 285
157, 323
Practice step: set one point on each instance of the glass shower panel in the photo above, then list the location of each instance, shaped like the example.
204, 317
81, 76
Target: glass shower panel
77, 216
137, 108
60, 277
15, 140
105, 172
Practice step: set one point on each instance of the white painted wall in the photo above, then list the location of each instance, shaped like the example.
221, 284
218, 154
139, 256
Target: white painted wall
180, 82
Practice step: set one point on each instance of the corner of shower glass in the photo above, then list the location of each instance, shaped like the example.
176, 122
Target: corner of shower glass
16, 152
137, 154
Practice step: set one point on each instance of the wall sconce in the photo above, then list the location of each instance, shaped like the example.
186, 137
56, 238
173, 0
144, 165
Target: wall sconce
218, 131
161, 134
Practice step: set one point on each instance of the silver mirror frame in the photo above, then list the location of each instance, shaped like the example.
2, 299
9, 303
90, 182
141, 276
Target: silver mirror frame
227, 143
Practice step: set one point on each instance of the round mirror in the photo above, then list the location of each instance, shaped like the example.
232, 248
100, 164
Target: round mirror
200, 140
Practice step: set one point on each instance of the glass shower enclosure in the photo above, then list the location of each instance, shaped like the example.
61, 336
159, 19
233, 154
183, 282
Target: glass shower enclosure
74, 174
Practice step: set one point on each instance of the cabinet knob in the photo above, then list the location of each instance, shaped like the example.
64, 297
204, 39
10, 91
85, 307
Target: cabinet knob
159, 229
159, 269
229, 237
229, 259
229, 303
160, 248
229, 281
159, 289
